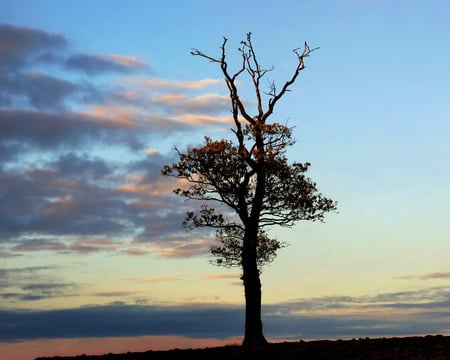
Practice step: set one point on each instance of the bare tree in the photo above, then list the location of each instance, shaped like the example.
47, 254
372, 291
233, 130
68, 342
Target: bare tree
249, 181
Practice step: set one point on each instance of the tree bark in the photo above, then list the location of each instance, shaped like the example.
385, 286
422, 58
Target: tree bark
254, 337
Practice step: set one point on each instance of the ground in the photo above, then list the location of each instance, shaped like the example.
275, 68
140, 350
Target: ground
408, 348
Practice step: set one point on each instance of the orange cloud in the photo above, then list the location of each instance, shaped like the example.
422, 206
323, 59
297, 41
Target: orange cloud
123, 116
140, 186
151, 151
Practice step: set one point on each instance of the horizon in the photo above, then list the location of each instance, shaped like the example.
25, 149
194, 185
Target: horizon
93, 99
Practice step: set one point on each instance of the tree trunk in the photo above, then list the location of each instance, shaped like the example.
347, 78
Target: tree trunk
254, 337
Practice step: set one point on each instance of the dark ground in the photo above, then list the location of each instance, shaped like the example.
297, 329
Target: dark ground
410, 348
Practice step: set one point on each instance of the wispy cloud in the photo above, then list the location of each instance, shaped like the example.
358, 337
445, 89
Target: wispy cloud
202, 104
181, 277
430, 276
171, 85
32, 284
114, 294
97, 63
157, 279
436, 275
221, 276
181, 248
433, 298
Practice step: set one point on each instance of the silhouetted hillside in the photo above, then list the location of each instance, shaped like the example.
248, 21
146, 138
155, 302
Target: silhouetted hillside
410, 348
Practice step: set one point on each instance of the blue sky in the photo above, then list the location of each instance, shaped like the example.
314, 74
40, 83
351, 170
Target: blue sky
95, 95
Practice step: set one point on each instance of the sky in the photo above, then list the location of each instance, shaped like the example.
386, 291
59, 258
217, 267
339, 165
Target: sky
95, 95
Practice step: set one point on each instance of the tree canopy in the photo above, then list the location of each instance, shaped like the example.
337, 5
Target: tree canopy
251, 175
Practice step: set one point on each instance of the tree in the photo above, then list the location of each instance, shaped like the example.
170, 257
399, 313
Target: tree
249, 181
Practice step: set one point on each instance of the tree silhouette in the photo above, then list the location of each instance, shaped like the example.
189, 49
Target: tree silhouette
246, 185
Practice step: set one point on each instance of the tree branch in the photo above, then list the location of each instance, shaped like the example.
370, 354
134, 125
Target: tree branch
301, 65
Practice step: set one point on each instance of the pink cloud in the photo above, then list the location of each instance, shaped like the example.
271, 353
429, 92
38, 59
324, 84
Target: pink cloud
153, 83
121, 116
130, 62
84, 246
196, 119
136, 251
430, 276
177, 249
436, 275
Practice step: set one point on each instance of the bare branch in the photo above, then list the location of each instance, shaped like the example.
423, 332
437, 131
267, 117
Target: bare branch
301, 65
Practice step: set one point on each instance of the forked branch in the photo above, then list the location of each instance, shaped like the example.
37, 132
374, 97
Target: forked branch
300, 66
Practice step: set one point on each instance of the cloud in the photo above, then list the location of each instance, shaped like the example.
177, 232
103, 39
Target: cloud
157, 279
194, 119
120, 320
436, 275
32, 284
19, 45
38, 245
115, 294
430, 276
221, 276
433, 298
47, 201
281, 320
96, 64
76, 171
78, 204
202, 104
69, 246
48, 130
28, 55
36, 89
172, 85
178, 246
